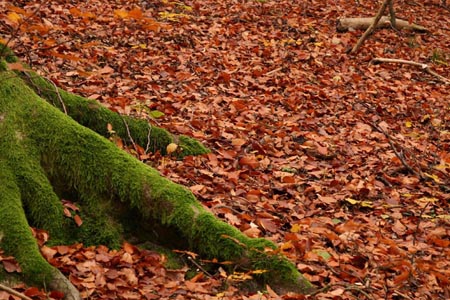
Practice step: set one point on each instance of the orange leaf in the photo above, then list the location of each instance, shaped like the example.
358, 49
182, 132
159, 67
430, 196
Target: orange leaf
128, 248
402, 277
237, 142
48, 252
136, 14
75, 12
78, 220
67, 213
197, 277
62, 249
288, 179
250, 161
123, 14
252, 232
14, 17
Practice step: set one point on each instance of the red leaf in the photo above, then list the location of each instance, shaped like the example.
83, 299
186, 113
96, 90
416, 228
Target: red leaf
33, 292
56, 295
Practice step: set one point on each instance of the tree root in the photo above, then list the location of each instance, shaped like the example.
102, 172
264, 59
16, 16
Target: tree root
45, 154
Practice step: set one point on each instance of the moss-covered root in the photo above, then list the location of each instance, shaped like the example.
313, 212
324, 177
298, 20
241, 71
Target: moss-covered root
93, 115
96, 169
16, 239
176, 207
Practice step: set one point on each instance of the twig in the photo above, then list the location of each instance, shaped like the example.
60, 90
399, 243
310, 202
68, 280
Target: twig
402, 295
356, 288
412, 63
273, 71
371, 27
225, 206
58, 94
399, 155
147, 147
418, 223
131, 138
14, 292
199, 266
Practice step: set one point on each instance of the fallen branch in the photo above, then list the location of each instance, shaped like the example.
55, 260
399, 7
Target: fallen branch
424, 67
399, 154
372, 26
346, 24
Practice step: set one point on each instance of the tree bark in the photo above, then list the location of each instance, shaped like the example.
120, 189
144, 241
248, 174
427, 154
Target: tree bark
45, 154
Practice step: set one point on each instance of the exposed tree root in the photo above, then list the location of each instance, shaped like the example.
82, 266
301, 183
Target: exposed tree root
46, 155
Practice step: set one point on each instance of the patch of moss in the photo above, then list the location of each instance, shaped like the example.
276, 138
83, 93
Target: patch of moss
17, 239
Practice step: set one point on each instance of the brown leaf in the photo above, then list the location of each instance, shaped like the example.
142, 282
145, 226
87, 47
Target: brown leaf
11, 266
268, 225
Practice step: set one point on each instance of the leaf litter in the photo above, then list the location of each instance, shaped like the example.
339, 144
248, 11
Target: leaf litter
344, 164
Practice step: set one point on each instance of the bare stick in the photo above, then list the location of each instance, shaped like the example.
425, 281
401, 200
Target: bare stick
148, 138
199, 266
273, 71
14, 292
399, 154
418, 223
412, 63
59, 96
131, 138
371, 27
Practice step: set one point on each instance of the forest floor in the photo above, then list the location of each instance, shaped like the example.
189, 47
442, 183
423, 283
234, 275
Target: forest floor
343, 163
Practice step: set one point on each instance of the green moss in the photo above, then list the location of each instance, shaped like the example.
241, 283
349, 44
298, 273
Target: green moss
190, 146
16, 238
98, 228
7, 54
